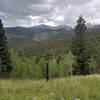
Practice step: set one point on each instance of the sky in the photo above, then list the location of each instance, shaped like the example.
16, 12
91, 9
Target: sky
28, 13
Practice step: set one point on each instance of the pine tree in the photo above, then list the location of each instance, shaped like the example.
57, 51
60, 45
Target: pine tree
79, 49
5, 61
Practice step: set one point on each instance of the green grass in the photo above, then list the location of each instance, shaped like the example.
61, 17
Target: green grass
84, 88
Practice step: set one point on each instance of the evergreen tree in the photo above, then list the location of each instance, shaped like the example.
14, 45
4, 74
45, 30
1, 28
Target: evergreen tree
79, 49
5, 61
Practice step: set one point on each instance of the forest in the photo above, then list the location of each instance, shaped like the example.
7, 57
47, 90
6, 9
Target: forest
30, 60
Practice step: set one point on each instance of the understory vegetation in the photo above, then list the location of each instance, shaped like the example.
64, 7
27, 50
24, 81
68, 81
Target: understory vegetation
34, 67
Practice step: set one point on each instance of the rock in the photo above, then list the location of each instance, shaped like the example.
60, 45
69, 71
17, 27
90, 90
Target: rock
34, 98
75, 99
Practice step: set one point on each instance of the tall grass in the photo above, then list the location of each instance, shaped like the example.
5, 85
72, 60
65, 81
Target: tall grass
83, 88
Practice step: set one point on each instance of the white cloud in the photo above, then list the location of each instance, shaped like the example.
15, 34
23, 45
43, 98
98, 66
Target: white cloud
94, 21
59, 18
49, 12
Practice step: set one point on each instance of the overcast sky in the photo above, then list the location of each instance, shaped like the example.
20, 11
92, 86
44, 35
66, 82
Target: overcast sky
50, 12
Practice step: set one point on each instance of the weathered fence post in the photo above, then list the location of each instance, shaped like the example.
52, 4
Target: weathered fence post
47, 71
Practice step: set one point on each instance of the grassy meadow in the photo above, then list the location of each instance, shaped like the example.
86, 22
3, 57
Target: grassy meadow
83, 88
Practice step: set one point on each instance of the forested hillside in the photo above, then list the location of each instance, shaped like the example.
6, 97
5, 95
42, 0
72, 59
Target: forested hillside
30, 59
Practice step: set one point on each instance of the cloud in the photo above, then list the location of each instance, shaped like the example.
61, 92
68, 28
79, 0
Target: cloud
50, 12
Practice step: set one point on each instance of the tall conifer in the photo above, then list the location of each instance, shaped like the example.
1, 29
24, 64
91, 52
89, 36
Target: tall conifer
5, 61
79, 49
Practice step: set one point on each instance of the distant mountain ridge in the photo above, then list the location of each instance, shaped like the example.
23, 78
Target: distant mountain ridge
18, 36
93, 28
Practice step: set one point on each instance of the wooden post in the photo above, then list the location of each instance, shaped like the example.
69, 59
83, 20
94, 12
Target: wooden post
47, 71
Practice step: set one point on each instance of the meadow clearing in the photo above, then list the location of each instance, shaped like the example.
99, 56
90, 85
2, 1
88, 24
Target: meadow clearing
80, 87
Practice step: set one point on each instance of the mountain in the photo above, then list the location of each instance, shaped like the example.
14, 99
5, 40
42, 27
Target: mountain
18, 36
93, 27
